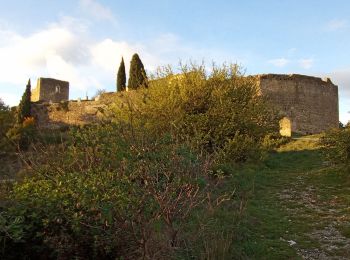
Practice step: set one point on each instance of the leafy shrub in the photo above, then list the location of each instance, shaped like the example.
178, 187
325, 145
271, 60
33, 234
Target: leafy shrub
272, 141
239, 149
337, 146
6, 122
130, 187
105, 196
23, 134
205, 111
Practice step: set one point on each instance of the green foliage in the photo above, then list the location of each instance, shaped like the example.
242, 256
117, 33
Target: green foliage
137, 73
121, 77
147, 183
205, 111
6, 122
337, 146
105, 196
273, 141
24, 106
22, 135
278, 210
239, 149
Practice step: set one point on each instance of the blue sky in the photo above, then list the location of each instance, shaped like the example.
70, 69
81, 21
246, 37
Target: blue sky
82, 41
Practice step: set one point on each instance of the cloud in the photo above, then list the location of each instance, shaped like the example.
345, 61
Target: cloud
337, 24
107, 54
341, 77
9, 99
281, 62
97, 10
66, 51
23, 57
291, 51
306, 63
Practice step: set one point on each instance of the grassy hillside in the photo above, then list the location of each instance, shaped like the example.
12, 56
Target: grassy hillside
300, 206
181, 170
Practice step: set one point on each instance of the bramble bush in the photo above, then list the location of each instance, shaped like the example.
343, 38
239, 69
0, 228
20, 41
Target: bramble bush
336, 145
6, 122
211, 112
134, 185
22, 134
104, 196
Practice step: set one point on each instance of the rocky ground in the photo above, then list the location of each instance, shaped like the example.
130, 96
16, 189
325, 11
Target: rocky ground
300, 207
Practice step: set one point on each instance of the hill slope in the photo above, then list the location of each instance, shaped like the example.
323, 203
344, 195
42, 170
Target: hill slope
300, 207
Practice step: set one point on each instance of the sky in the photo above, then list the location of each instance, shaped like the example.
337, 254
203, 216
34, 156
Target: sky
82, 41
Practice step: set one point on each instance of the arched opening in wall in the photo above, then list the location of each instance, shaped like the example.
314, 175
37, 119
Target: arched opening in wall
58, 89
285, 127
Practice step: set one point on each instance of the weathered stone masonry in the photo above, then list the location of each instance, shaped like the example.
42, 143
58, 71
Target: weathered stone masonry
74, 112
50, 90
307, 104
310, 103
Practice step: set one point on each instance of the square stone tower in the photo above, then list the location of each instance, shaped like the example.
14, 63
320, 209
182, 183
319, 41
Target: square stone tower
50, 90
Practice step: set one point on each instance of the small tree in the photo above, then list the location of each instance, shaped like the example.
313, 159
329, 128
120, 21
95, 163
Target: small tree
121, 77
137, 73
23, 110
6, 119
3, 106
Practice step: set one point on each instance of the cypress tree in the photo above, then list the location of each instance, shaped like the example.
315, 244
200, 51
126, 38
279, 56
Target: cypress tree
23, 110
137, 73
121, 77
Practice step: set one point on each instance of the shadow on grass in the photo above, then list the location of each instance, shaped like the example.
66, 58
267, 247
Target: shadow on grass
301, 160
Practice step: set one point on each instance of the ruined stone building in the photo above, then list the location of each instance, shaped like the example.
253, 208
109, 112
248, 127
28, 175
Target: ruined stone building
307, 105
50, 90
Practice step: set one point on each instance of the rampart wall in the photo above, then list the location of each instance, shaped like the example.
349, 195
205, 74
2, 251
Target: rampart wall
74, 112
310, 103
307, 104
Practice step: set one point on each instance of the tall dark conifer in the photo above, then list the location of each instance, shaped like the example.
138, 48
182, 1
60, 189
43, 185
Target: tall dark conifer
23, 110
121, 77
137, 73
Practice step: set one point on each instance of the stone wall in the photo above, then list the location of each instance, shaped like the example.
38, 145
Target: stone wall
74, 112
310, 103
50, 90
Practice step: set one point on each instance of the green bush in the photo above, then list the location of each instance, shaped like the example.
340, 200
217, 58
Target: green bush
239, 149
104, 196
273, 141
131, 187
22, 135
336, 145
6, 122
205, 111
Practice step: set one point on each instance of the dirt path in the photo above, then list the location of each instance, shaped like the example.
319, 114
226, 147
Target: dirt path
324, 219
301, 205
318, 199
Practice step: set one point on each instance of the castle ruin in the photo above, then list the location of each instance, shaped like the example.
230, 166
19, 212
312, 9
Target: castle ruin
50, 90
307, 105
